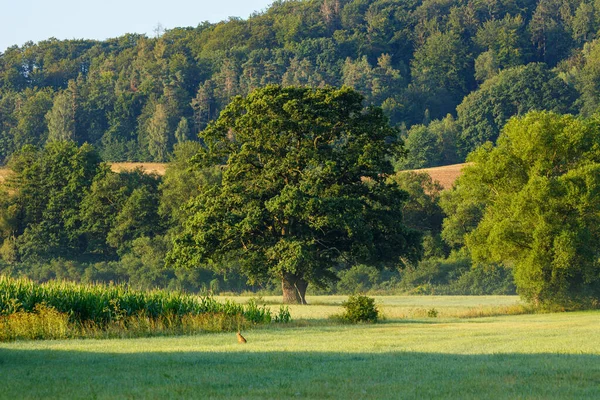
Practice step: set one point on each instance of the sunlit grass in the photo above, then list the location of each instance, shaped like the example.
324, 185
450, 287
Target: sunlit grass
402, 307
525, 356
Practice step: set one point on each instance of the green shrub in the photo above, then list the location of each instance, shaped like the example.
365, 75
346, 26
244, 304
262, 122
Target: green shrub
432, 313
284, 315
360, 309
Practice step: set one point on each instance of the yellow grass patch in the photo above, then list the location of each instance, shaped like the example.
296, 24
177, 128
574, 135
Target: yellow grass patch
445, 175
148, 167
4, 173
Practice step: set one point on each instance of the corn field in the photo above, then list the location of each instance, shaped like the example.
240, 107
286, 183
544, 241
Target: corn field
103, 304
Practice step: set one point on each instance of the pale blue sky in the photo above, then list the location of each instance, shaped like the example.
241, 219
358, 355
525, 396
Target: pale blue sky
37, 20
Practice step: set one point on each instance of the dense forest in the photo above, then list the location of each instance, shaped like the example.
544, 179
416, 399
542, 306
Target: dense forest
447, 74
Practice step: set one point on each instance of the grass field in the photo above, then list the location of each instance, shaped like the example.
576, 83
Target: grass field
399, 307
541, 356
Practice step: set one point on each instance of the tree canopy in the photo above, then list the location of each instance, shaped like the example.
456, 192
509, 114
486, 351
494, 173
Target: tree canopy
304, 188
538, 196
135, 97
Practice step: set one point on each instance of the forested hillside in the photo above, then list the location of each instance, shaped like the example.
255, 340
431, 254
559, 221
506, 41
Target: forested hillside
277, 176
450, 72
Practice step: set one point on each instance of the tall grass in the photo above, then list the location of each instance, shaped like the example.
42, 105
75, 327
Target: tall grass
114, 310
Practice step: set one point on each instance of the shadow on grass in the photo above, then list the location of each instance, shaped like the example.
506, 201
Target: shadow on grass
246, 373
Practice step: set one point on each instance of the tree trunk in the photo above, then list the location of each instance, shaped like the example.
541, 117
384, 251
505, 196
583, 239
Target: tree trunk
294, 289
301, 286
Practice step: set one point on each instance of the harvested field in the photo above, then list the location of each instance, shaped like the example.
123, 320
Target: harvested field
4, 172
445, 175
148, 167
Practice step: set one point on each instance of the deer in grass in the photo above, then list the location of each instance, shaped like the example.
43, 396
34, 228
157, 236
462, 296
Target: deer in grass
240, 338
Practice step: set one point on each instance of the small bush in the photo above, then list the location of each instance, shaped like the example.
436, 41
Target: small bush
360, 309
284, 315
432, 313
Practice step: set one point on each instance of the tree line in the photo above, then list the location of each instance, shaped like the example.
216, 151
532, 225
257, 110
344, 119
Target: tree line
449, 74
295, 187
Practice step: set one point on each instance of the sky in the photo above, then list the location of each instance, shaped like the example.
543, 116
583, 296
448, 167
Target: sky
37, 20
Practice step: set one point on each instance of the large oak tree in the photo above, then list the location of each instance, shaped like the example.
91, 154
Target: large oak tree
304, 190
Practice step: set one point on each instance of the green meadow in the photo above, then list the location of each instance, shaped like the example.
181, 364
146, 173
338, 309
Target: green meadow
537, 356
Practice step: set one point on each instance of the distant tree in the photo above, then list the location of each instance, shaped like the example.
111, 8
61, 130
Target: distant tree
431, 145
304, 187
504, 41
587, 79
514, 91
440, 69
47, 190
61, 118
137, 218
423, 149
182, 133
422, 211
205, 105
549, 33
184, 180
585, 23
31, 125
158, 135
104, 202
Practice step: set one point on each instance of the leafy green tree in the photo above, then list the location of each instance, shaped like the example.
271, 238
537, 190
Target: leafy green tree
440, 69
588, 79
422, 211
137, 218
61, 118
584, 23
423, 149
540, 189
304, 186
158, 135
504, 40
514, 91
486, 66
182, 133
463, 207
431, 145
184, 180
47, 189
104, 201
